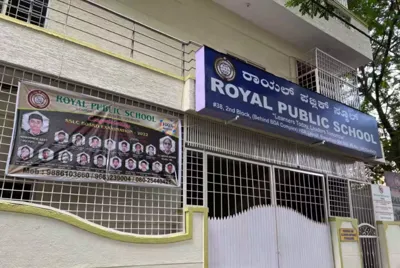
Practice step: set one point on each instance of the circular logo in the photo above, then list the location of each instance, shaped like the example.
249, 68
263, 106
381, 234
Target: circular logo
38, 99
225, 69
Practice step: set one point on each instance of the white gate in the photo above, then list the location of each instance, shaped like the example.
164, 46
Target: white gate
264, 216
303, 234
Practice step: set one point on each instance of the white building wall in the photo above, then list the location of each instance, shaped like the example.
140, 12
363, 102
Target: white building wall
200, 21
389, 240
352, 38
34, 241
203, 22
51, 55
39, 242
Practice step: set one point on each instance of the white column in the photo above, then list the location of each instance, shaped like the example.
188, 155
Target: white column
389, 240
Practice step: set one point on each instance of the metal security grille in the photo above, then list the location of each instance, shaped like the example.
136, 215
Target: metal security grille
338, 196
307, 75
363, 210
324, 74
302, 192
235, 186
239, 142
31, 11
131, 209
194, 178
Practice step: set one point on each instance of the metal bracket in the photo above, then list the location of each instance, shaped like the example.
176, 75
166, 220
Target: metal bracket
318, 143
232, 120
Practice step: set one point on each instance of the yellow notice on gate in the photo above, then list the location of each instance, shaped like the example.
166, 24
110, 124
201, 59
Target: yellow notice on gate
348, 235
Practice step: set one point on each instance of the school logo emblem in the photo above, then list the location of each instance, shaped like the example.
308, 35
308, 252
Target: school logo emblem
168, 126
225, 69
38, 99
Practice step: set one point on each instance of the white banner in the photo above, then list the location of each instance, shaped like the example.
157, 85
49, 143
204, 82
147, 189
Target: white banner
382, 200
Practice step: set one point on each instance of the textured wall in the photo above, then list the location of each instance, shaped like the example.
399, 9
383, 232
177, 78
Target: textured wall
346, 254
36, 50
201, 21
389, 239
39, 242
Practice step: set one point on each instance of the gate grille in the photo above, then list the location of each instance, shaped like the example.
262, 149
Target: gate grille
194, 178
338, 196
235, 186
363, 210
301, 192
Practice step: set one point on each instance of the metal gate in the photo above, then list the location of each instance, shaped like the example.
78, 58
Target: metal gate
363, 210
353, 199
301, 218
256, 212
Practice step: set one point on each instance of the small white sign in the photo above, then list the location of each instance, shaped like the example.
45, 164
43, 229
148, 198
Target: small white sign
382, 200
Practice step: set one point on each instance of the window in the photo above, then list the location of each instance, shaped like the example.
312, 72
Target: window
31, 11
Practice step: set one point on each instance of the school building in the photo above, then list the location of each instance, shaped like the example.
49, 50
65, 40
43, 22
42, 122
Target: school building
273, 151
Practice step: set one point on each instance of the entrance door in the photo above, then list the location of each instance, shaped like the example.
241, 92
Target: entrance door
264, 216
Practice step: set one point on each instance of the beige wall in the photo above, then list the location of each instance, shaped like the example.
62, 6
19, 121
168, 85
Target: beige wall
39, 242
389, 240
208, 23
203, 22
346, 254
54, 56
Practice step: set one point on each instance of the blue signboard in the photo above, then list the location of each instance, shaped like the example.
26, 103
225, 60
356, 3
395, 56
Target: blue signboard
229, 89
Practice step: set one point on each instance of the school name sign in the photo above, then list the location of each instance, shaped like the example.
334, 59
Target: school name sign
63, 135
230, 89
105, 108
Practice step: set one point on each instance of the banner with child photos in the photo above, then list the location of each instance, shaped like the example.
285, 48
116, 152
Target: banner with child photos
64, 135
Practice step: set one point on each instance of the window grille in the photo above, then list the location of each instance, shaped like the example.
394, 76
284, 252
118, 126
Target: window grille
328, 76
30, 11
306, 75
338, 192
126, 208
